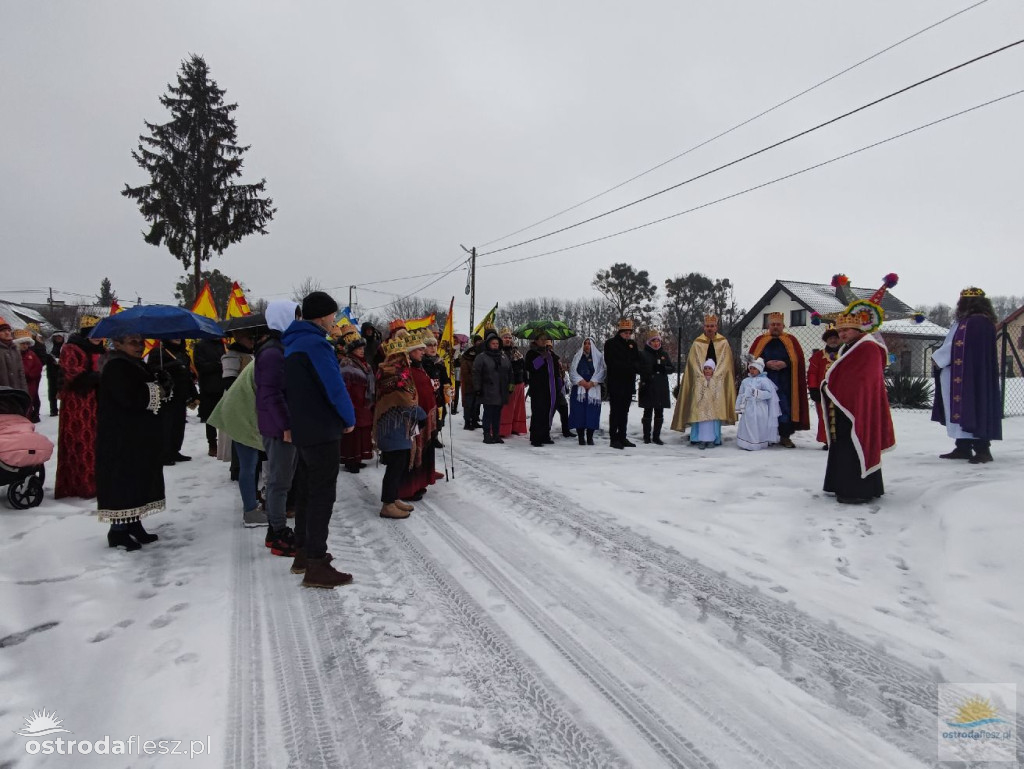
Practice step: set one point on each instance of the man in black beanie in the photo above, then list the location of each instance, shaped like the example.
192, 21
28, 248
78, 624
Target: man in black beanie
320, 411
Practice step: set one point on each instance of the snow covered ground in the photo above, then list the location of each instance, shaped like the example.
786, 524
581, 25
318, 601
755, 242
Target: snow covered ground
563, 606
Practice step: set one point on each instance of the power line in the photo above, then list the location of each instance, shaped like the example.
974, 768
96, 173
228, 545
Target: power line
420, 289
738, 125
762, 150
763, 185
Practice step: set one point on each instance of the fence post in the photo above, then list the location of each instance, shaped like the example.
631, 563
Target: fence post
1002, 374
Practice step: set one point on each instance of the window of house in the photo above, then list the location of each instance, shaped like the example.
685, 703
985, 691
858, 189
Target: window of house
798, 318
764, 320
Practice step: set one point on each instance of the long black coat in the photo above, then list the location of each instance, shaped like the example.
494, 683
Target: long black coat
492, 376
206, 356
129, 470
654, 389
622, 357
543, 395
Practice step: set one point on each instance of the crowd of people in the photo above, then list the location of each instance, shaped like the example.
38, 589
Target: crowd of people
293, 401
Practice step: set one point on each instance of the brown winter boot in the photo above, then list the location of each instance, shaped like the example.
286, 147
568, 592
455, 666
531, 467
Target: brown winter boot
299, 564
403, 506
393, 511
320, 573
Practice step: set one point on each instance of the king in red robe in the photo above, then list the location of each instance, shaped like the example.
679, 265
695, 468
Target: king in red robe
856, 406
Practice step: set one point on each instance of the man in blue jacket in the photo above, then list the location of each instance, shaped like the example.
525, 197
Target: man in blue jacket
320, 411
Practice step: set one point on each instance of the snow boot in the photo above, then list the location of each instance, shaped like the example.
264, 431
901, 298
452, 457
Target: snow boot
403, 505
142, 536
962, 451
583, 438
981, 457
393, 511
320, 573
121, 538
628, 443
300, 562
590, 437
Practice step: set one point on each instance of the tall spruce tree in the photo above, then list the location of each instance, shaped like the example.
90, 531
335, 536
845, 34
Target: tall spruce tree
192, 203
106, 296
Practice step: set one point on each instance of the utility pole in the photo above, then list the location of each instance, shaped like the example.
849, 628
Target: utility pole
472, 286
350, 298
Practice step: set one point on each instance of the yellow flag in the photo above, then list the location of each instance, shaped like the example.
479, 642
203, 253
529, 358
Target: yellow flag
414, 323
446, 348
238, 307
487, 322
203, 305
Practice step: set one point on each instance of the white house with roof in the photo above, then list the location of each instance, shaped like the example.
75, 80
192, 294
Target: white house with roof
910, 344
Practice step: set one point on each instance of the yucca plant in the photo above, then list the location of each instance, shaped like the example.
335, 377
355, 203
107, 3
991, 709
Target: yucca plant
908, 392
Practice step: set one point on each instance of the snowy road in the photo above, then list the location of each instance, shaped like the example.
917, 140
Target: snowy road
566, 608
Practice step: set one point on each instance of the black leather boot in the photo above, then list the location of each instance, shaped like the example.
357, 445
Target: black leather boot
140, 534
121, 538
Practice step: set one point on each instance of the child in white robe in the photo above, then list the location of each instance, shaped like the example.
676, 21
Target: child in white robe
758, 402
707, 432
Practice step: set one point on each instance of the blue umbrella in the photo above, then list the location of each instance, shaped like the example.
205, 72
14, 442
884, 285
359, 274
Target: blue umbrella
157, 321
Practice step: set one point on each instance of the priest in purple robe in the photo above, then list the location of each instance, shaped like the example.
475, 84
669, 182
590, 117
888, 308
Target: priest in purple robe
967, 395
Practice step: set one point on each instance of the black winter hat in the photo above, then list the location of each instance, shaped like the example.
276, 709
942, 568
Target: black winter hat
317, 305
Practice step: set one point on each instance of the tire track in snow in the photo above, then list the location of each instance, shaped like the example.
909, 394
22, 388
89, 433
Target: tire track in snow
535, 726
317, 685
896, 698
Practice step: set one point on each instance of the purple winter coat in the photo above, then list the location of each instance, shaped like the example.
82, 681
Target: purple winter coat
271, 407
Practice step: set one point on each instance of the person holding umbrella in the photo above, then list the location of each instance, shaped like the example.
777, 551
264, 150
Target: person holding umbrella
129, 463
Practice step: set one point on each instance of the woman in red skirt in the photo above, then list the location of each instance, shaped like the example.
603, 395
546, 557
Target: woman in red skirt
357, 445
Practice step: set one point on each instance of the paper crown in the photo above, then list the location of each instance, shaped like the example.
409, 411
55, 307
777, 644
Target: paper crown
88, 321
395, 346
505, 331
23, 335
776, 316
414, 340
972, 291
710, 318
33, 327
625, 324
863, 314
396, 324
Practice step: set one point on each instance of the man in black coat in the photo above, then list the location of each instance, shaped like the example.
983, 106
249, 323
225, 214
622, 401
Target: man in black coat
54, 376
373, 341
622, 357
206, 357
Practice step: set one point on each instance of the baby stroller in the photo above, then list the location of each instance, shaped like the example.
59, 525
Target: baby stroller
22, 452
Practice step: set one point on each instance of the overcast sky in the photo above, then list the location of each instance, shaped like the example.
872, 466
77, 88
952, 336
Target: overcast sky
389, 133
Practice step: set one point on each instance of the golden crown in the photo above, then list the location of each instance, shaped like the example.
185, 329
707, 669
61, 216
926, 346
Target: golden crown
711, 318
776, 316
88, 321
972, 291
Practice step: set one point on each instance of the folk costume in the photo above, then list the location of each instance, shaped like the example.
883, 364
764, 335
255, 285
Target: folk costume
707, 430
791, 380
703, 349
421, 464
856, 405
129, 461
758, 405
397, 418
513, 413
967, 394
821, 361
357, 446
80, 361
585, 403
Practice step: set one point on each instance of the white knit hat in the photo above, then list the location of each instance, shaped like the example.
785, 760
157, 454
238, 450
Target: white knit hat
757, 363
709, 364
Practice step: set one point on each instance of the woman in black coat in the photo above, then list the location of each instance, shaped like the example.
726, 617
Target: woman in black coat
129, 454
492, 383
654, 397
169, 362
